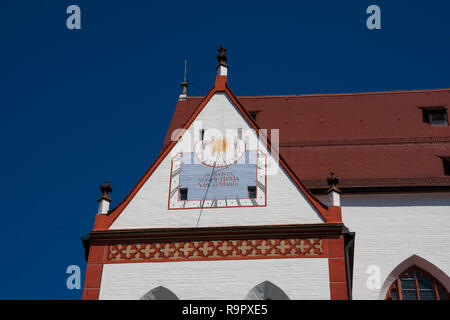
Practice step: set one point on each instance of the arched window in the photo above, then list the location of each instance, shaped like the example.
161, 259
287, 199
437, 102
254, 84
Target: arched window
266, 291
416, 284
159, 293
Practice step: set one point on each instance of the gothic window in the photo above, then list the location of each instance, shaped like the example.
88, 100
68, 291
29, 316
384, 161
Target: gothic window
266, 291
416, 284
159, 293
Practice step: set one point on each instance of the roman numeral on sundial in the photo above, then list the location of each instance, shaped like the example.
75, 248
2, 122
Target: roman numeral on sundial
174, 191
176, 172
214, 203
261, 186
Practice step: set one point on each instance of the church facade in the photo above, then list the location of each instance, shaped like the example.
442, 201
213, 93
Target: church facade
284, 197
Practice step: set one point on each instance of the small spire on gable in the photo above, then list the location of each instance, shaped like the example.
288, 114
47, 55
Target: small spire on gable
106, 189
333, 182
333, 192
105, 199
222, 58
184, 84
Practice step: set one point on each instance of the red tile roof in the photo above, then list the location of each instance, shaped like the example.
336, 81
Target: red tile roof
368, 139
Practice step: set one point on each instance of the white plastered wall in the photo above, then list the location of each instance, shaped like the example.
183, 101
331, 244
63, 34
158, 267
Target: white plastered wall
390, 228
285, 202
301, 278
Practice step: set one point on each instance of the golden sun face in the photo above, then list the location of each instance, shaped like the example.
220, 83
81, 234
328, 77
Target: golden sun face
219, 145
219, 152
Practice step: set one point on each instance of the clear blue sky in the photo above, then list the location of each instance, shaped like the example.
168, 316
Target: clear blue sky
81, 106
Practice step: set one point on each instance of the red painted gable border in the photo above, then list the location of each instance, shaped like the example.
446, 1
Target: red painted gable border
328, 214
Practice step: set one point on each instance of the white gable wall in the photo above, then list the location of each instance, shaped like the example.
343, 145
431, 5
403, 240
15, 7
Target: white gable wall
149, 208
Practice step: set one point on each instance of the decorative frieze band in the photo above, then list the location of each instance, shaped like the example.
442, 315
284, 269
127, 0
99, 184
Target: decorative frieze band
215, 249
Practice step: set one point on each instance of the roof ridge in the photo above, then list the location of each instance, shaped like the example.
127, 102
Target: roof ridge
339, 94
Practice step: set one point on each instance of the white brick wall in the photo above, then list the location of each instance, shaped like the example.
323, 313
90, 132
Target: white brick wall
302, 278
392, 227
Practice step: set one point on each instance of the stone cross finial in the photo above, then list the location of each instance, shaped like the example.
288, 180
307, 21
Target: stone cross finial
333, 192
106, 189
332, 180
222, 56
105, 199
